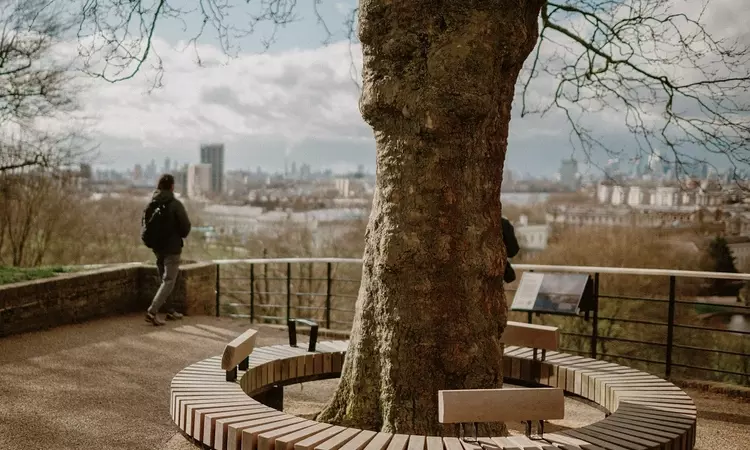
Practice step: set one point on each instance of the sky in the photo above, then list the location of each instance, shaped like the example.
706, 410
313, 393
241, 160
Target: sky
295, 101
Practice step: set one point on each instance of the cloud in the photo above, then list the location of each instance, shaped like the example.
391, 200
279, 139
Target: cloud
300, 104
254, 103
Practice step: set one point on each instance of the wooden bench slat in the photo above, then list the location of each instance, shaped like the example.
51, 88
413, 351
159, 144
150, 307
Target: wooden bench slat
338, 441
212, 425
182, 402
238, 349
360, 441
500, 405
398, 442
531, 335
434, 443
240, 436
656, 435
656, 415
236, 400
621, 437
194, 413
287, 442
667, 428
379, 442
267, 440
222, 426
310, 442
180, 399
504, 443
562, 440
207, 415
452, 443
597, 440
524, 443
416, 442
687, 411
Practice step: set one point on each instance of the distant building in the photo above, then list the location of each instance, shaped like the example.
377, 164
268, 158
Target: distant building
213, 154
603, 193
618, 195
739, 246
569, 174
180, 180
638, 196
531, 238
665, 196
343, 186
199, 181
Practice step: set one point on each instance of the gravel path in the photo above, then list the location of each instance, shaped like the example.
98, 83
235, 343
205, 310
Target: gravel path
104, 385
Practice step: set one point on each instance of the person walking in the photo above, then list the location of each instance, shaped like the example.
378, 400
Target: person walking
164, 225
511, 249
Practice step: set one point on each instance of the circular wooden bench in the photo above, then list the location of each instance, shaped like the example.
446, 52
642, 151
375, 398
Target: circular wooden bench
642, 411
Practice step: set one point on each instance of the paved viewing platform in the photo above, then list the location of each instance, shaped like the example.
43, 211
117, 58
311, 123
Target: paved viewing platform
105, 384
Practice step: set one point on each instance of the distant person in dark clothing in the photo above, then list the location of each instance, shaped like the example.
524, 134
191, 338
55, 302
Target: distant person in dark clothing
165, 225
511, 249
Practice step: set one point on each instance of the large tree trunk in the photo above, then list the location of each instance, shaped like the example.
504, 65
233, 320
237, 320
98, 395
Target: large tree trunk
439, 79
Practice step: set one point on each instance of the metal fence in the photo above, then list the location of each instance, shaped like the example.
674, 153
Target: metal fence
661, 330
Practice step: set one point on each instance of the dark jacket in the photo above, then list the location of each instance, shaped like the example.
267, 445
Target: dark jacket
511, 249
181, 221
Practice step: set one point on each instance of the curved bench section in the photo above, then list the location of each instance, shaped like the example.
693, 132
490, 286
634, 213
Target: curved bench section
644, 411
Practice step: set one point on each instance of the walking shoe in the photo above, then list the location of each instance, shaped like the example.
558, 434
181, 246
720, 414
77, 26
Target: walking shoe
174, 315
152, 318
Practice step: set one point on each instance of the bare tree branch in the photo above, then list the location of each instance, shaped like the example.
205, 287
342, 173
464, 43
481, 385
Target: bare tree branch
672, 83
29, 149
676, 86
32, 83
38, 91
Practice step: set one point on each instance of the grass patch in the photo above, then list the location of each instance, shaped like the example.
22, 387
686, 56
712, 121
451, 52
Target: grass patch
15, 274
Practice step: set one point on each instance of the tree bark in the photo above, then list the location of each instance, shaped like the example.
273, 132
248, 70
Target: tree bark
439, 80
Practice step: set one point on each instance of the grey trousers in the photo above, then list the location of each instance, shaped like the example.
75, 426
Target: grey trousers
168, 267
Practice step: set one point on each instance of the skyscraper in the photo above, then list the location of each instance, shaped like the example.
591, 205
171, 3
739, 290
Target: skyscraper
214, 154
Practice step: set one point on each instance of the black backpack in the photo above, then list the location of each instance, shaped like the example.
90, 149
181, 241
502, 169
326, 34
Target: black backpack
156, 225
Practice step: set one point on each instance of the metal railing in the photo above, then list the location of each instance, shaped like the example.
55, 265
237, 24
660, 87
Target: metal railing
662, 335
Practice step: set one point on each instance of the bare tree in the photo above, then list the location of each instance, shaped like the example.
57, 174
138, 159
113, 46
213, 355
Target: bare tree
35, 85
33, 207
438, 82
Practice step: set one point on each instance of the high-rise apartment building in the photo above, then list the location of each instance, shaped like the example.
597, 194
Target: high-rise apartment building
569, 173
199, 181
213, 154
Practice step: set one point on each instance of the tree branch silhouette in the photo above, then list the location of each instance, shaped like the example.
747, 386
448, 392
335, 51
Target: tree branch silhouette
675, 85
678, 87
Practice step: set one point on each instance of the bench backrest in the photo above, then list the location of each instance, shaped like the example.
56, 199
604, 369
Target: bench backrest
531, 335
500, 405
239, 349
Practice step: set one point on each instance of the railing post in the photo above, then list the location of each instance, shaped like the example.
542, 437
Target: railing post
218, 290
670, 326
529, 315
252, 292
329, 281
288, 291
595, 319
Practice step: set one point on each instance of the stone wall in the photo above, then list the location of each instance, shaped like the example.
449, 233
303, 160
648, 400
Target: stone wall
73, 298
